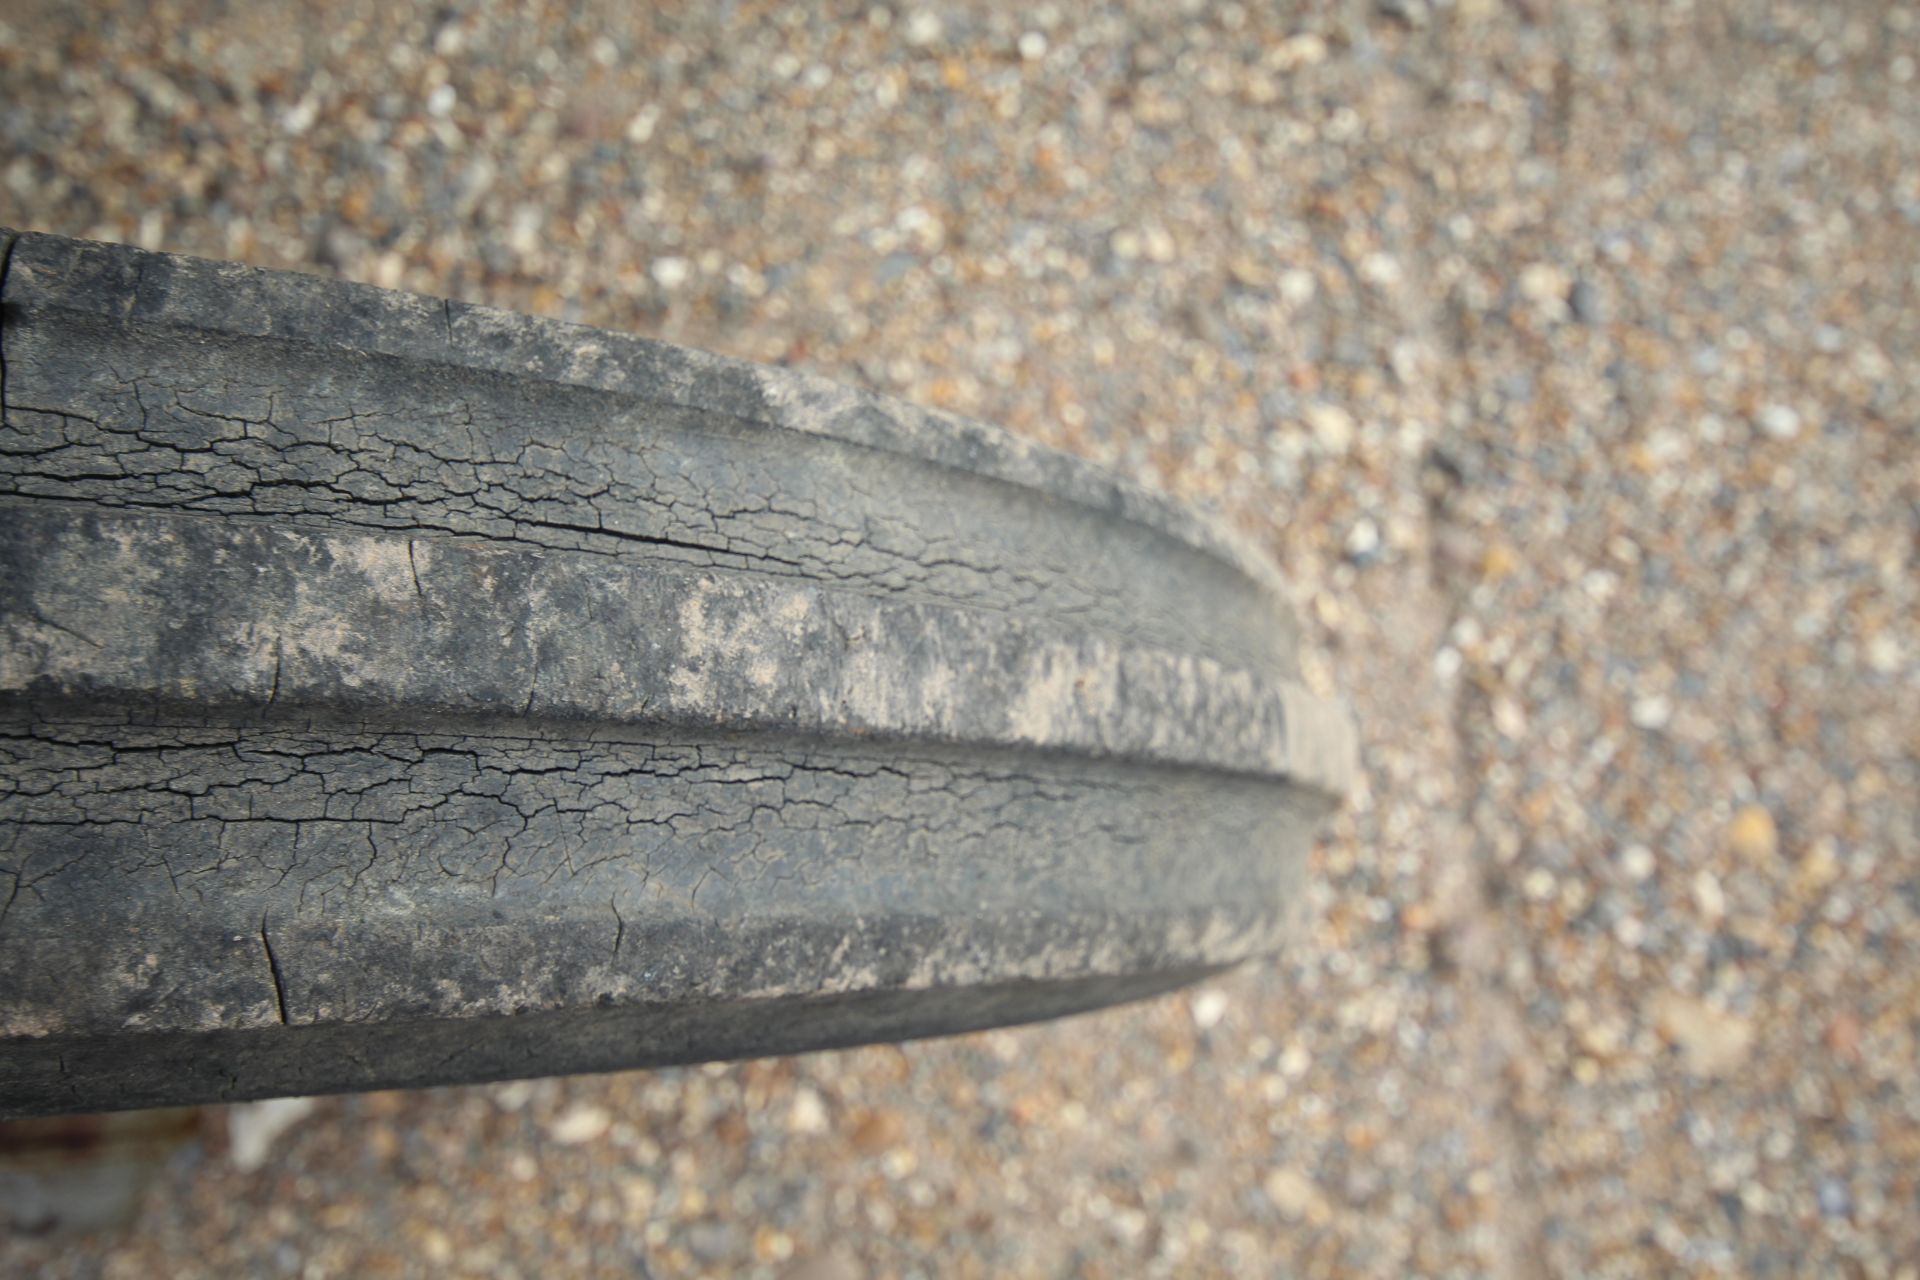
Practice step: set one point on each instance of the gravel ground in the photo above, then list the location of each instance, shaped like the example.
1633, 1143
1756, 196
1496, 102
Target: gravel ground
1565, 356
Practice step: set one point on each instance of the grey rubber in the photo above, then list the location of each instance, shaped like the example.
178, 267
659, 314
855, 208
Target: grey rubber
398, 692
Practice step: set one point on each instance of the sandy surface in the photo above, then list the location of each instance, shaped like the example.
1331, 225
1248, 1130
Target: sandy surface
1566, 357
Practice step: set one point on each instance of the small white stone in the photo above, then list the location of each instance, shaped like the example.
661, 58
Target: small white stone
808, 1114
670, 273
1547, 287
1637, 861
923, 28
1708, 896
1883, 654
580, 1123
1033, 46
1297, 286
1208, 1008
1779, 421
1712, 1041
920, 225
1304, 50
1291, 1191
437, 1247
1381, 270
1651, 711
254, 1127
1543, 282
300, 117
513, 1095
1332, 427
1629, 931
1363, 539
640, 128
523, 229
440, 102
390, 270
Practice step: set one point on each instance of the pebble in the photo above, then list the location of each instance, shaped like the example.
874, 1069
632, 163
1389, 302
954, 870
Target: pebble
1637, 861
1712, 1042
714, 1240
1779, 422
580, 1123
1332, 427
1753, 835
1209, 1007
923, 28
1412, 12
1363, 540
1708, 897
1652, 712
254, 1128
1304, 50
1586, 303
877, 1131
1291, 1192
808, 1113
670, 272
1546, 286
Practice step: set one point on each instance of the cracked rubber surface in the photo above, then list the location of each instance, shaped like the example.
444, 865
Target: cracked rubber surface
397, 692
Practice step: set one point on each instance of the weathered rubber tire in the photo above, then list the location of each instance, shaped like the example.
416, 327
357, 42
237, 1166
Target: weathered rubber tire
398, 692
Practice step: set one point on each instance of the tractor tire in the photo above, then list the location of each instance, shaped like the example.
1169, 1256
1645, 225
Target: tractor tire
397, 692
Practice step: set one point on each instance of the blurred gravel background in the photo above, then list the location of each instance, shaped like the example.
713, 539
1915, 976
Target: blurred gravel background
1566, 355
